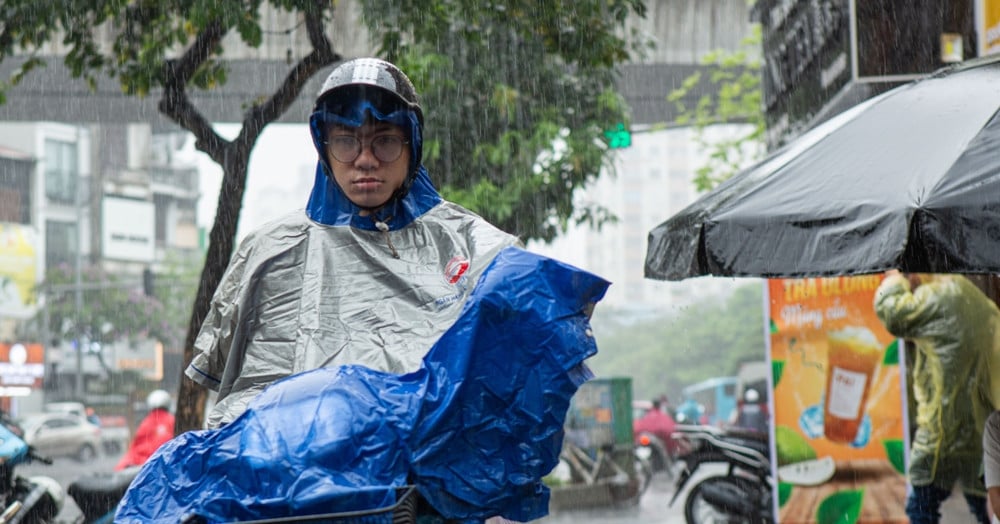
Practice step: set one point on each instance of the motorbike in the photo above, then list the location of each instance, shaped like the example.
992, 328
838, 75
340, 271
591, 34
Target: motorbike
25, 500
743, 493
98, 494
653, 454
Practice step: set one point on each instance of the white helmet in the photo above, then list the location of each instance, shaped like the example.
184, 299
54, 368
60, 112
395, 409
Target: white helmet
158, 399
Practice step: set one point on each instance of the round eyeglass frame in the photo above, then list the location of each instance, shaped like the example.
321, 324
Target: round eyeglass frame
376, 144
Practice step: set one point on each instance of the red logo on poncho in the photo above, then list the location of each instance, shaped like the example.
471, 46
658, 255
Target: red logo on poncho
455, 268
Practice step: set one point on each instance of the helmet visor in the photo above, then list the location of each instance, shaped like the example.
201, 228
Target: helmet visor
350, 103
352, 106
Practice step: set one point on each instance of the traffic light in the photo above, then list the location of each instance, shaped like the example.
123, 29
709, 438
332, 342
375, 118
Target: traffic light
147, 282
619, 137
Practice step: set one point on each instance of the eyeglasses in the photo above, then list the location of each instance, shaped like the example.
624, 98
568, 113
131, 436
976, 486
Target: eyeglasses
347, 148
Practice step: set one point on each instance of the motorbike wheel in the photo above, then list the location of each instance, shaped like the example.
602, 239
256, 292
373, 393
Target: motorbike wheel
698, 510
43, 510
644, 472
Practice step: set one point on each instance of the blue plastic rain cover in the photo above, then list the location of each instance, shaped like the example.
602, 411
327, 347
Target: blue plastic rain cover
475, 428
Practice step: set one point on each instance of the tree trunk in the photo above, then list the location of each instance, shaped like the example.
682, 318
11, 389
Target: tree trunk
234, 157
191, 396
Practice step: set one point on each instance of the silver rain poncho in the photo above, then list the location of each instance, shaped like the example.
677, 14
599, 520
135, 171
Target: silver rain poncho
301, 295
356, 353
330, 287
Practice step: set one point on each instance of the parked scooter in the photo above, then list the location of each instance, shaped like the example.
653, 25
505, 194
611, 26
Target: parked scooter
25, 500
742, 494
98, 494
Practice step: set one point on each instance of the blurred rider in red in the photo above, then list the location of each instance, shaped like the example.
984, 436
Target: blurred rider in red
155, 429
656, 422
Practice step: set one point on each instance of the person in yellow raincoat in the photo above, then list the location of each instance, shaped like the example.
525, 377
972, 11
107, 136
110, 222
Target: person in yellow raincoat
955, 328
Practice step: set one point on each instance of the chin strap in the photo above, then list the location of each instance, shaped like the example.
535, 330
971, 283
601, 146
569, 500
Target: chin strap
383, 226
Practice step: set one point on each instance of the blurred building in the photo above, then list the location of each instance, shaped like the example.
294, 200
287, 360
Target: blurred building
18, 239
821, 58
651, 180
116, 196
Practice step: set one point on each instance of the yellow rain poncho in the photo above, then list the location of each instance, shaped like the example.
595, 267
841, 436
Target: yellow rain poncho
955, 328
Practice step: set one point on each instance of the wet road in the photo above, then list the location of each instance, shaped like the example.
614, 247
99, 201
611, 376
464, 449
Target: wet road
653, 507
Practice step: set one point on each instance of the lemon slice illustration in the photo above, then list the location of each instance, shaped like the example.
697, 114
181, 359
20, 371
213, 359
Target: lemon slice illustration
808, 472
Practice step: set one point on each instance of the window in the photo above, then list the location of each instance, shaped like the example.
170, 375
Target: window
15, 191
60, 243
60, 171
162, 206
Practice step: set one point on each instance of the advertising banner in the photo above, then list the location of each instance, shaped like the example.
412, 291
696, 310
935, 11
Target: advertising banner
807, 55
22, 368
839, 414
18, 259
128, 229
988, 26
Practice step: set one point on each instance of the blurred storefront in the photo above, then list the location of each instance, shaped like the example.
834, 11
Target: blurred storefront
823, 57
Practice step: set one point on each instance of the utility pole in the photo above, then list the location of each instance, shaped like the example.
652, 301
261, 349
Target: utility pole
78, 294
46, 337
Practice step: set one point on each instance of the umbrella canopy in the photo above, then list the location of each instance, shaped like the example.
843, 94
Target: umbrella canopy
909, 179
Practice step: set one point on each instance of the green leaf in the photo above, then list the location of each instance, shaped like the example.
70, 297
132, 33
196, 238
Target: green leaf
772, 326
896, 454
842, 507
891, 356
777, 367
791, 446
784, 493
736, 74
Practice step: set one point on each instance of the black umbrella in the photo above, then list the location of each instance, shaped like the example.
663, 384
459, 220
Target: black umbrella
908, 180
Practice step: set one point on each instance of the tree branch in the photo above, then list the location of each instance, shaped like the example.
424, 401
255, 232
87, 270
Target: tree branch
175, 103
321, 56
199, 52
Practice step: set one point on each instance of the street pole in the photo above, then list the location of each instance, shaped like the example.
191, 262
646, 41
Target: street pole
78, 385
46, 340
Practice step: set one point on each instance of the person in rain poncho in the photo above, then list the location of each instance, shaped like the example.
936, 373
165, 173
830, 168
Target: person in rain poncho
991, 463
156, 429
376, 268
955, 328
656, 422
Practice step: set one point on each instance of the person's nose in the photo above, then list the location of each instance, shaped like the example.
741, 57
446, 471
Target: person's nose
366, 158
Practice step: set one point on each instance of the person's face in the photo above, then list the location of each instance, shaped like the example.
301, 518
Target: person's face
370, 178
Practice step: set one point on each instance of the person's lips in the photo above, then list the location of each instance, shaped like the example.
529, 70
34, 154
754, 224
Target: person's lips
367, 183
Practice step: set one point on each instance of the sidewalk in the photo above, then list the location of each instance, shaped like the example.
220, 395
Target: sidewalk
955, 510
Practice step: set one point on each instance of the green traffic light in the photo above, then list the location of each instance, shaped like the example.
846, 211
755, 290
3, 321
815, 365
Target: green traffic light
619, 137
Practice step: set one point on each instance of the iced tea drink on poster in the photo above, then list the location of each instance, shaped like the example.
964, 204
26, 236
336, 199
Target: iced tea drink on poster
853, 355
